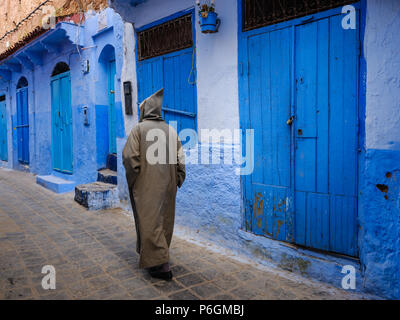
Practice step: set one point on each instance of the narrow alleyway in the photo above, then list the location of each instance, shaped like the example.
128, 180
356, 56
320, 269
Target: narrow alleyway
94, 256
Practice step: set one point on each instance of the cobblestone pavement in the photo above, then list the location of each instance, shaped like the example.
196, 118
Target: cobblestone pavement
94, 256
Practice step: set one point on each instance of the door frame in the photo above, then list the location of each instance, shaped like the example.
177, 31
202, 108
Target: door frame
58, 77
244, 108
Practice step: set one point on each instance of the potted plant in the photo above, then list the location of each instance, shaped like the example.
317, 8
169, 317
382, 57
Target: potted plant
209, 23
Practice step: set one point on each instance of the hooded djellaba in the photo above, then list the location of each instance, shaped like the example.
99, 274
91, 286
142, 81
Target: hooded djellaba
154, 162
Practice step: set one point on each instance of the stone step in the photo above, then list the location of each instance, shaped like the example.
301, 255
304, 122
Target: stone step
112, 162
55, 184
107, 176
97, 195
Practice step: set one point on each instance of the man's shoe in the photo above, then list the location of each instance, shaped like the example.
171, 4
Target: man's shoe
161, 275
161, 272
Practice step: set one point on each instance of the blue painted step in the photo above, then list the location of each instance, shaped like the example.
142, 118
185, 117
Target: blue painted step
112, 162
56, 184
107, 176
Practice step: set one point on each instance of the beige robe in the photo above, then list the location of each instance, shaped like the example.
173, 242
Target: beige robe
153, 186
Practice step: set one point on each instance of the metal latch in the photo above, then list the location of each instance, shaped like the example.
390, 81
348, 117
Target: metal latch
290, 121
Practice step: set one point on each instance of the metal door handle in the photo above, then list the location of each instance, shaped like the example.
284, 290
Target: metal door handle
112, 91
290, 121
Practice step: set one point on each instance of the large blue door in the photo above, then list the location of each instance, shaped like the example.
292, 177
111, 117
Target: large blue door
3, 129
23, 125
299, 93
174, 73
111, 107
61, 123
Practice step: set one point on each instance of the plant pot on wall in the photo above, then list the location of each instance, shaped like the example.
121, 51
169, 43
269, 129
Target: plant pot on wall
209, 22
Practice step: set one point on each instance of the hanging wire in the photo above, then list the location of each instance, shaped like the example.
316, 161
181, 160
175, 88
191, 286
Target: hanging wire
193, 70
24, 19
79, 27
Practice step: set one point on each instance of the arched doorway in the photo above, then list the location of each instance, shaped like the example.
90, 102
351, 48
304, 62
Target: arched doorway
61, 118
22, 121
107, 66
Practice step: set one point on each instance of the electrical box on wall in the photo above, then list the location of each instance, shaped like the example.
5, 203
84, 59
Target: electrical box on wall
85, 110
85, 66
128, 97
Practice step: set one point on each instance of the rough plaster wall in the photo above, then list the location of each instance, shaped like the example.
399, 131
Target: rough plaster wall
217, 72
129, 74
14, 11
209, 201
379, 211
382, 47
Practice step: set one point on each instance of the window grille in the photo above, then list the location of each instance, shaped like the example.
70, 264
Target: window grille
167, 37
261, 13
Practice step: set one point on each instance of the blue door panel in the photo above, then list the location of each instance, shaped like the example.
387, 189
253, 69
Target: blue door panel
343, 125
173, 73
150, 77
343, 224
326, 133
22, 125
3, 132
270, 107
19, 126
271, 209
304, 185
56, 124
179, 93
66, 116
111, 107
62, 148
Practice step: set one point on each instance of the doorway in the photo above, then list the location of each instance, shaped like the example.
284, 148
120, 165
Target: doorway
61, 119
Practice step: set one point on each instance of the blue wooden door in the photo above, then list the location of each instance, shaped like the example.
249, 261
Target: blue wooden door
179, 91
299, 85
270, 107
23, 125
326, 135
61, 123
174, 73
3, 130
111, 107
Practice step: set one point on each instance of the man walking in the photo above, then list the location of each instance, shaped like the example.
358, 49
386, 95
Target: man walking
154, 164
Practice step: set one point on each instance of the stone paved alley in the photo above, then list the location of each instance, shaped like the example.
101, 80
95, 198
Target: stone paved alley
94, 256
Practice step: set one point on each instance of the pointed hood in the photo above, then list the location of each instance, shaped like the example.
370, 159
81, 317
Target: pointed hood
151, 108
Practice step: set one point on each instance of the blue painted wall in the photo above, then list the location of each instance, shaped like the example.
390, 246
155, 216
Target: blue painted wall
90, 142
379, 211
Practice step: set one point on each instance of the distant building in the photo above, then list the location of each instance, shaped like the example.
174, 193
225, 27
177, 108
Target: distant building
60, 91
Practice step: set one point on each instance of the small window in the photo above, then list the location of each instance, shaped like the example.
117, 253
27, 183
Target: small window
167, 37
60, 67
22, 83
261, 13
2, 98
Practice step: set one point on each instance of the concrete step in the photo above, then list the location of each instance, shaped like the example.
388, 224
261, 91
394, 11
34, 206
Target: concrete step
107, 176
112, 162
97, 195
55, 184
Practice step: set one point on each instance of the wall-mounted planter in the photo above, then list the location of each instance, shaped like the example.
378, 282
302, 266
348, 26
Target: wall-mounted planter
209, 23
